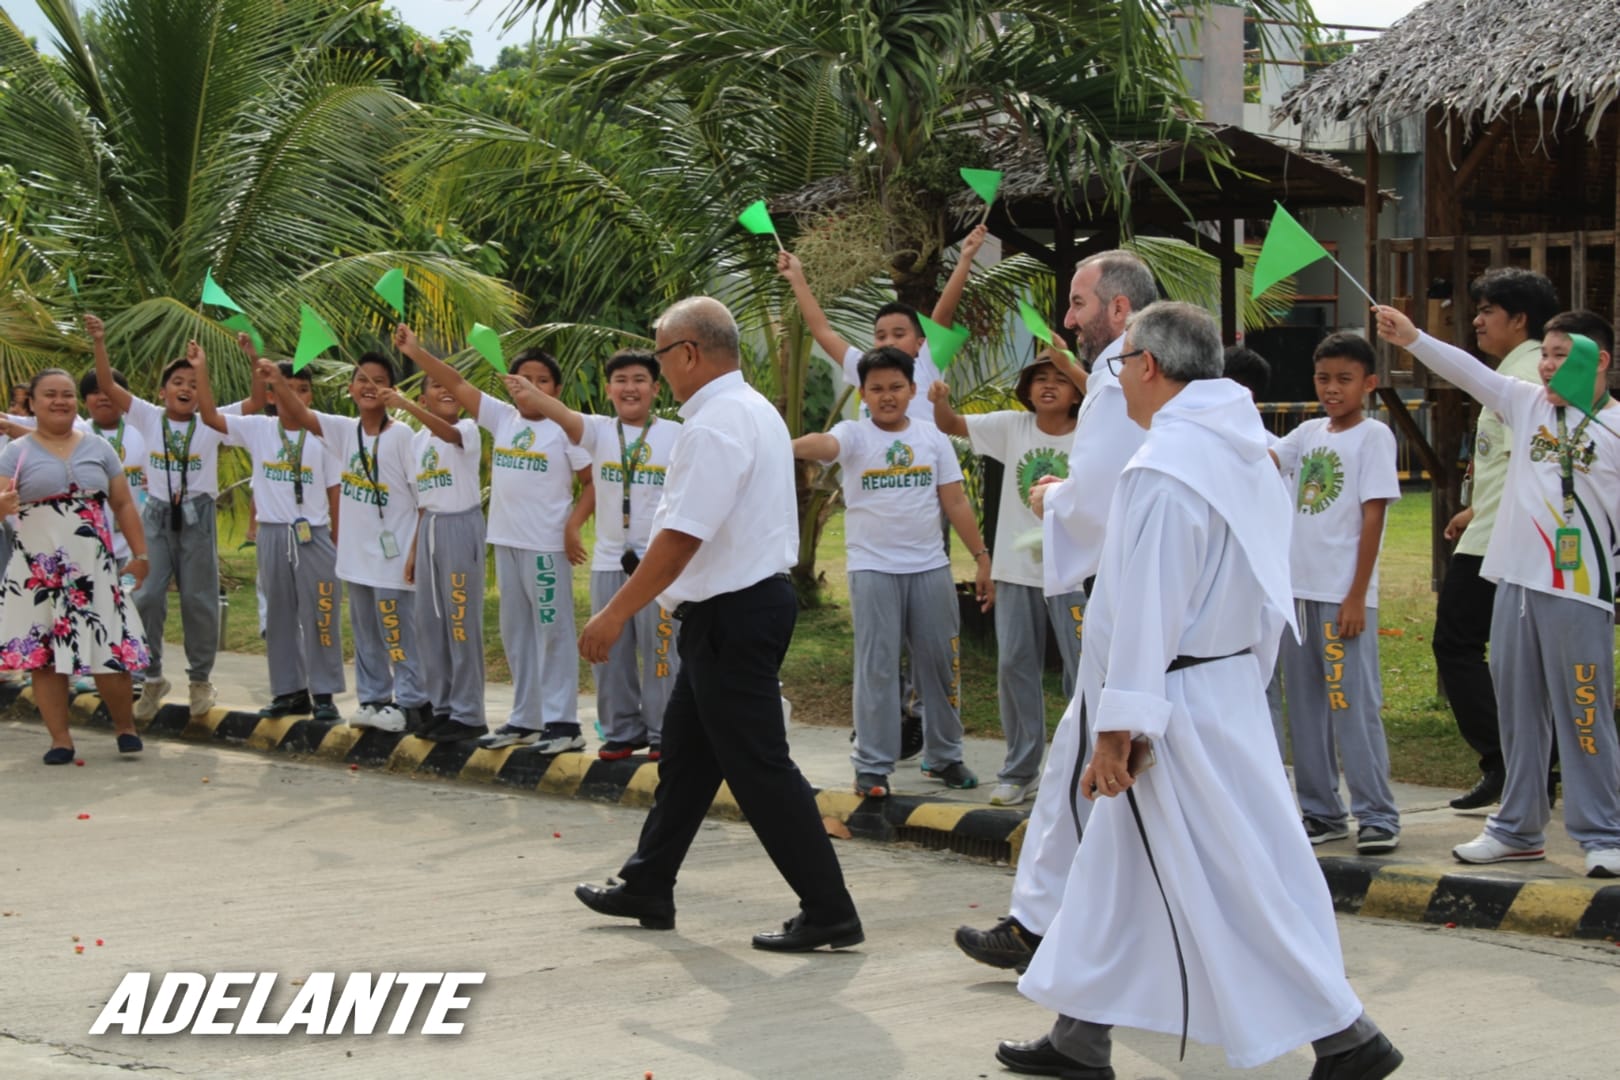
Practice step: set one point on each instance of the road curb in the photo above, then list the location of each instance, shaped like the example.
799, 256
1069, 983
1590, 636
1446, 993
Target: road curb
1555, 907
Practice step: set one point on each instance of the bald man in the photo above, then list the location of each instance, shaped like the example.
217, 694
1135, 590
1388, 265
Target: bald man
723, 539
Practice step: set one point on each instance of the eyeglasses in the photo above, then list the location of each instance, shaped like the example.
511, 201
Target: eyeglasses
658, 353
1115, 363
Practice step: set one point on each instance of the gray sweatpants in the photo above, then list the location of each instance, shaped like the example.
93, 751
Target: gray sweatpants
1023, 613
303, 638
537, 628
1274, 703
921, 609
189, 558
1553, 669
450, 612
1335, 695
633, 687
387, 666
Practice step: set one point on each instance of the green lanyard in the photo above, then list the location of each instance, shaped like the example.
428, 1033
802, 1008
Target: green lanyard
294, 454
185, 458
1566, 454
371, 465
627, 465
117, 440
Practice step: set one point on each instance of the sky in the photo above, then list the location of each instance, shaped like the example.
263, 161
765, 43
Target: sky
433, 16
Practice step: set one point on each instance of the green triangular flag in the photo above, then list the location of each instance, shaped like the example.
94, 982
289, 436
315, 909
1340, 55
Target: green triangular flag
984, 182
314, 337
73, 284
756, 219
943, 343
213, 294
488, 344
241, 325
391, 287
1576, 378
1288, 249
1038, 327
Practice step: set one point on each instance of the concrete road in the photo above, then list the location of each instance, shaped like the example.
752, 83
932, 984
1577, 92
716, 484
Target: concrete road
197, 859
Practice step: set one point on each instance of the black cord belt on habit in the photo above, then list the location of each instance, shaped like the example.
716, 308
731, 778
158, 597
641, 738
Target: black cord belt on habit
1180, 663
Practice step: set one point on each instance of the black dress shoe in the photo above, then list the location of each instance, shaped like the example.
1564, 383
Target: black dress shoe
797, 935
654, 912
1039, 1057
1008, 944
1372, 1060
1485, 793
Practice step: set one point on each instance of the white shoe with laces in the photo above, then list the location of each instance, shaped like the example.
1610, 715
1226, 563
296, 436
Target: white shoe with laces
1485, 848
1007, 794
388, 717
151, 699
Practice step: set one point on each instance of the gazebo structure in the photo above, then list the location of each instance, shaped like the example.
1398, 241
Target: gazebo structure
1521, 149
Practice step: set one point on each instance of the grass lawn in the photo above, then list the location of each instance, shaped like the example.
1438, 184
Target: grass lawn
1423, 743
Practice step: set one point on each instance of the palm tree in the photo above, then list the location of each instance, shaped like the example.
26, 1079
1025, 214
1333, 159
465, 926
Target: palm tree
165, 138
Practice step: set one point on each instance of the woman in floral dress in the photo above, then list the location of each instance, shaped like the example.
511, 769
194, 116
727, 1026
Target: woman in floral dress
63, 609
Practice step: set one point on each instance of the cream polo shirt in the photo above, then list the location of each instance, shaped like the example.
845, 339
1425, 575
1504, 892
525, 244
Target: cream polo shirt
1492, 443
730, 485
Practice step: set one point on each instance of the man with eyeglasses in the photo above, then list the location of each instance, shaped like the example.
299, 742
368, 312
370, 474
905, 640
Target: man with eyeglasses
723, 538
1107, 288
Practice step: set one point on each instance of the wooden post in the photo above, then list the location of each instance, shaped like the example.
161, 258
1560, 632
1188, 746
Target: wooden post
1063, 253
1369, 213
1229, 321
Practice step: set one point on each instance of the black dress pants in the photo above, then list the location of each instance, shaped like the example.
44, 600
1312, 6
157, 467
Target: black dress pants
1462, 630
724, 722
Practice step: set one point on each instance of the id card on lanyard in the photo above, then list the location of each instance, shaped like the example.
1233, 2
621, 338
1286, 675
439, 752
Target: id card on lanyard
180, 512
1567, 540
293, 454
627, 469
372, 467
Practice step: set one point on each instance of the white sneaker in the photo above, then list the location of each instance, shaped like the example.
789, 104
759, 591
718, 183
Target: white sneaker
388, 717
151, 699
1011, 794
1603, 862
1485, 848
510, 735
559, 742
363, 716
202, 698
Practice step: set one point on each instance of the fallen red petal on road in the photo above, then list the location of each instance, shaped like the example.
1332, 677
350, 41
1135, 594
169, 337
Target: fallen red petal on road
84, 817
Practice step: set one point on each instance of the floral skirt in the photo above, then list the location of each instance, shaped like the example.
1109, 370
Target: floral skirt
62, 607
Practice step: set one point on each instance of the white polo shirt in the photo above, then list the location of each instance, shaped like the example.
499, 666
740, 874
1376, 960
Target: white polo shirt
730, 485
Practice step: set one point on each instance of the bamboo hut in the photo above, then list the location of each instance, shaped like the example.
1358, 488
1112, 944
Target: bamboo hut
1520, 153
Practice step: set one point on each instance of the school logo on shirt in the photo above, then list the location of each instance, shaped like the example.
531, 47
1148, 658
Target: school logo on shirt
170, 458
358, 486
1321, 478
899, 471
1039, 462
432, 474
640, 471
1544, 446
519, 456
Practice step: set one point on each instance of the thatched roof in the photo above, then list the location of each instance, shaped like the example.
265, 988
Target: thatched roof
1267, 171
1476, 60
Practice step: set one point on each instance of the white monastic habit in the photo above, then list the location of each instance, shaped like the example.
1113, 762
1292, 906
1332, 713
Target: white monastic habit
1195, 564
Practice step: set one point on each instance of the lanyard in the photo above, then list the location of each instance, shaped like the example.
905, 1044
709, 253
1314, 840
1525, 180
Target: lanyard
117, 439
370, 465
1566, 454
185, 458
294, 455
627, 465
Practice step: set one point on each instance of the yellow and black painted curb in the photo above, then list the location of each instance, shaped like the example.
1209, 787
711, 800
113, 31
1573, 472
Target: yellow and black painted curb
1571, 907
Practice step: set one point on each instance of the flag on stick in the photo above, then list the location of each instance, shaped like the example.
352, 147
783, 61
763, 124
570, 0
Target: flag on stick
944, 342
1037, 326
391, 287
757, 220
73, 284
241, 325
314, 337
985, 183
488, 344
213, 294
1287, 250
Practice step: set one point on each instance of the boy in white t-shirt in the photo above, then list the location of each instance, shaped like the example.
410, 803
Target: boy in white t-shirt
536, 538
1345, 479
182, 475
895, 325
898, 473
1030, 444
294, 489
376, 520
446, 561
1553, 553
633, 687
